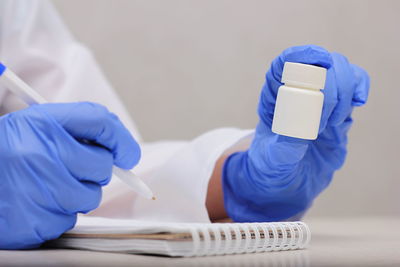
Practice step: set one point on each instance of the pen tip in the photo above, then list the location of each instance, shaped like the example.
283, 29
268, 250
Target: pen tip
153, 198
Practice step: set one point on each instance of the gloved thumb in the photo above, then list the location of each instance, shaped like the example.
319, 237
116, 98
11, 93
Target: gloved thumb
276, 154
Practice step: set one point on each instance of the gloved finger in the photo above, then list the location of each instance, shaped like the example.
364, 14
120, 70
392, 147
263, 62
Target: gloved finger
93, 122
345, 83
87, 162
360, 96
277, 154
59, 188
77, 196
332, 141
330, 98
284, 152
90, 197
307, 54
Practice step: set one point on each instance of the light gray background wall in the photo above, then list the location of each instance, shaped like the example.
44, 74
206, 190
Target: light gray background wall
184, 67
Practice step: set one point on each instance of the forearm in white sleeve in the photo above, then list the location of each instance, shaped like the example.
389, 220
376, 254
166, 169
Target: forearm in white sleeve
36, 44
178, 173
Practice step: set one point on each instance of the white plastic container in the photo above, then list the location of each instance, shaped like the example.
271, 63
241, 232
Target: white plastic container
299, 102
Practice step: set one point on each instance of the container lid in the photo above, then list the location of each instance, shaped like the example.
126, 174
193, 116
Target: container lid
304, 75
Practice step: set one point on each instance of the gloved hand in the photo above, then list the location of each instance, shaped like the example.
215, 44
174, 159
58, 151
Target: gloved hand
48, 176
278, 177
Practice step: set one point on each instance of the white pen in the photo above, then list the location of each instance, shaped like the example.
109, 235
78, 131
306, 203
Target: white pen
17, 86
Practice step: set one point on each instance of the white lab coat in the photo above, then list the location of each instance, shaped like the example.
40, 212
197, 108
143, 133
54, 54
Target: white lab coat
35, 44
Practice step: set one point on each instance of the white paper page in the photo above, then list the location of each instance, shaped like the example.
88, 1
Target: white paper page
100, 225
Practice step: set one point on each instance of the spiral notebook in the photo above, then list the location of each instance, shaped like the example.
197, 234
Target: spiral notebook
183, 239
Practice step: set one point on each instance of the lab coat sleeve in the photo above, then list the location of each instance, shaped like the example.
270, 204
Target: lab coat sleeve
178, 173
36, 45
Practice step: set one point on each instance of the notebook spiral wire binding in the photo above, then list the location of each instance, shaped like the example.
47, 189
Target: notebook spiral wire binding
237, 238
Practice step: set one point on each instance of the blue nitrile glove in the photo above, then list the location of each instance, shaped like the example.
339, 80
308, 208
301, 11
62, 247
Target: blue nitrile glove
278, 177
47, 176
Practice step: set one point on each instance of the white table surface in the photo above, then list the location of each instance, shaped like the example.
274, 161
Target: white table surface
371, 241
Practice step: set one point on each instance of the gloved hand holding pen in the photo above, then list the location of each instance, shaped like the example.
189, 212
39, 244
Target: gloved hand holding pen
47, 176
278, 177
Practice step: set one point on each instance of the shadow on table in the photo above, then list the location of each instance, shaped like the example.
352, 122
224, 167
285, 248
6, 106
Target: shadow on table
281, 258
69, 257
